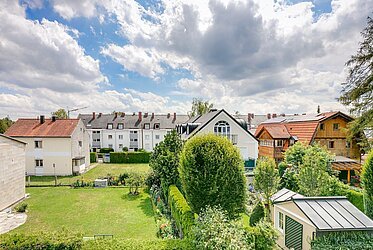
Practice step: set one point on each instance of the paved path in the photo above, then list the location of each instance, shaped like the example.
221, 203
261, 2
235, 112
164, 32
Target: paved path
10, 221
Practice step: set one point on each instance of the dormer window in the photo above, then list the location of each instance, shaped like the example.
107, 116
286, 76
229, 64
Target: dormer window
222, 128
147, 126
109, 126
157, 126
120, 126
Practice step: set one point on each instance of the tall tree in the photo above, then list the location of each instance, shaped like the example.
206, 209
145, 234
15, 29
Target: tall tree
61, 114
266, 178
200, 107
357, 91
367, 178
5, 123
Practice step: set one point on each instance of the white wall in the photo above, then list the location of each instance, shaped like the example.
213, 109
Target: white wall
12, 172
247, 144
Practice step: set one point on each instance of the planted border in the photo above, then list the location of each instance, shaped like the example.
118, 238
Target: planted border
129, 157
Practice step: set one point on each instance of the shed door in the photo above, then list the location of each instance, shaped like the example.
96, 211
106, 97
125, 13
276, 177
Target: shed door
293, 234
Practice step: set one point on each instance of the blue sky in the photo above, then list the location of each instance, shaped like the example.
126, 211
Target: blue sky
247, 56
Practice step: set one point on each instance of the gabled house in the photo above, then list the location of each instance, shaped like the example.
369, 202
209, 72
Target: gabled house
54, 146
221, 123
276, 135
12, 171
134, 131
299, 219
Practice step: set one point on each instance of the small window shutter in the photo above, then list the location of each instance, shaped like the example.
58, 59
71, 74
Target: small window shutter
293, 234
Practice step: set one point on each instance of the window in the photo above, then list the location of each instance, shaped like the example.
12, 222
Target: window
266, 143
80, 143
280, 221
110, 136
120, 126
157, 137
109, 126
96, 132
147, 126
147, 137
348, 144
120, 145
120, 137
133, 132
335, 126
38, 144
156, 126
222, 128
97, 140
322, 127
279, 143
110, 146
331, 144
39, 163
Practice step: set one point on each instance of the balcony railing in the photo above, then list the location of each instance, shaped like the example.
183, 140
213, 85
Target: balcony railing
232, 138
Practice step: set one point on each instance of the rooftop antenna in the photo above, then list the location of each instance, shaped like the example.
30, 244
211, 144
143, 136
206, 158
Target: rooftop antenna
73, 110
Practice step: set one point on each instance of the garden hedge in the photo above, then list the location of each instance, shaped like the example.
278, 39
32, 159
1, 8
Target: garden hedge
106, 150
114, 244
343, 240
93, 157
180, 211
356, 198
129, 157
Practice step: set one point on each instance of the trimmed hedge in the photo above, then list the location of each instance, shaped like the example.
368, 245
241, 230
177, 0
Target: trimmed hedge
93, 157
343, 240
180, 211
106, 150
129, 157
356, 198
114, 244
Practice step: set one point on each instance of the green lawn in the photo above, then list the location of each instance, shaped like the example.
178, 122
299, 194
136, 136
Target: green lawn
101, 170
90, 211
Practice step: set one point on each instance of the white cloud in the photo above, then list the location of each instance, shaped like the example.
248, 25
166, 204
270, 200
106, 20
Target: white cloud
69, 9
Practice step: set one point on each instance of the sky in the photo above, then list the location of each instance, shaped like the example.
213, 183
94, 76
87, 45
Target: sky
250, 56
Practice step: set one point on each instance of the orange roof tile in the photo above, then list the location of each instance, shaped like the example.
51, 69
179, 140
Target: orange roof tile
277, 131
33, 128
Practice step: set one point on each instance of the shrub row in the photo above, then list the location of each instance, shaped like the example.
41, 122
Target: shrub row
93, 157
343, 240
129, 157
106, 150
180, 211
356, 198
264, 234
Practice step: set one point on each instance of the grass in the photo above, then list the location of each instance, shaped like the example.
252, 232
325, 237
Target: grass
101, 170
90, 211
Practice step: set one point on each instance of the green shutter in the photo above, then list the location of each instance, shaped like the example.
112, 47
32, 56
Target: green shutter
293, 234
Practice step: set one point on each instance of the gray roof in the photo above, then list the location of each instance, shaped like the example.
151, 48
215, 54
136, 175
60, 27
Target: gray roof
339, 158
295, 118
284, 195
253, 122
333, 214
131, 121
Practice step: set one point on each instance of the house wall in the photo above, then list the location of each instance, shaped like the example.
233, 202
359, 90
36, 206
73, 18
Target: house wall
339, 137
80, 134
291, 210
12, 172
54, 151
266, 151
247, 144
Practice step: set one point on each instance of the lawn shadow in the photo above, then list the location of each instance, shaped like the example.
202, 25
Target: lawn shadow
146, 207
130, 197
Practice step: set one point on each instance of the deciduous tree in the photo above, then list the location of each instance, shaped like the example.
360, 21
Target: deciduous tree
61, 114
200, 107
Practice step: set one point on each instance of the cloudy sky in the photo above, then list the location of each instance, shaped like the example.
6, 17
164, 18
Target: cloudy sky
254, 56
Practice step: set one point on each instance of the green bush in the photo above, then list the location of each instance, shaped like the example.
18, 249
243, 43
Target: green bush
257, 214
125, 149
62, 240
106, 150
343, 240
212, 173
129, 157
93, 157
356, 198
264, 234
180, 211
21, 208
367, 178
132, 244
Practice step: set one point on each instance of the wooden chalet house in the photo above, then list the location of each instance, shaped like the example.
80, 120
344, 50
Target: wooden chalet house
276, 135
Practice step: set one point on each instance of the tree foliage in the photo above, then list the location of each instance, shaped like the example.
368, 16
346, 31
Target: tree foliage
367, 178
257, 214
212, 173
61, 114
266, 178
165, 160
5, 123
357, 91
200, 107
294, 155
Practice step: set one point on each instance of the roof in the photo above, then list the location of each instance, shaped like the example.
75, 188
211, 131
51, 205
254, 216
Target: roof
284, 195
277, 131
344, 163
326, 213
333, 213
33, 128
130, 121
11, 138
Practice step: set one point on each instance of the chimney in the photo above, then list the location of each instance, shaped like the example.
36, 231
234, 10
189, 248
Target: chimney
268, 116
115, 115
140, 116
152, 116
274, 115
122, 114
99, 115
146, 115
249, 117
283, 115
42, 119
93, 115
174, 116
54, 118
168, 115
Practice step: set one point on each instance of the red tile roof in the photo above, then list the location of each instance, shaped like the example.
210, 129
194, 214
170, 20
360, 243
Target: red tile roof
33, 128
277, 131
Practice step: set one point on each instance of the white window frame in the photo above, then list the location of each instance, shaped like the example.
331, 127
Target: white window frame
109, 137
222, 128
280, 221
157, 137
120, 137
39, 163
147, 137
38, 144
120, 126
109, 126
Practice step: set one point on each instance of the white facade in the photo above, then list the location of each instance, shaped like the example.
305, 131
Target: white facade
133, 139
12, 171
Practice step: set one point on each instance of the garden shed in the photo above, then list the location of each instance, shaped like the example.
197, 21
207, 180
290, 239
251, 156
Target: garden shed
301, 219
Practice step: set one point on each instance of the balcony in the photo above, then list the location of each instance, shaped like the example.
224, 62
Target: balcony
232, 138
